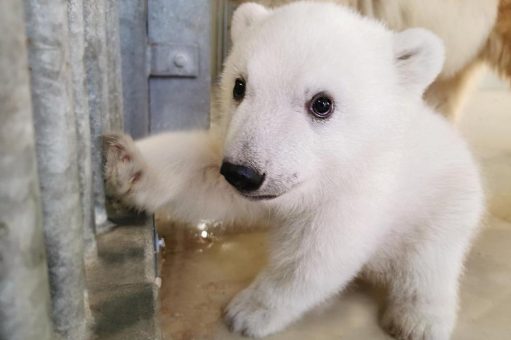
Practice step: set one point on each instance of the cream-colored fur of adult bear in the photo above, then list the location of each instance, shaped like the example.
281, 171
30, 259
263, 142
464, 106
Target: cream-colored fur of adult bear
325, 133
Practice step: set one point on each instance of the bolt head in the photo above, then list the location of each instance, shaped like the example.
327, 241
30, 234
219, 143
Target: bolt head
180, 60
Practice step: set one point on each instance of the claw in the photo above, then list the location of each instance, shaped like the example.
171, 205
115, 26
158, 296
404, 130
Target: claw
125, 158
135, 177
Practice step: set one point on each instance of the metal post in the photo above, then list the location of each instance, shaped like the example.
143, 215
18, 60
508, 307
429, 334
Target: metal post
24, 291
55, 125
81, 109
113, 53
95, 67
101, 118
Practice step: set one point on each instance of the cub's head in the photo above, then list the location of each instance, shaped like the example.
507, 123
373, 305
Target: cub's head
310, 91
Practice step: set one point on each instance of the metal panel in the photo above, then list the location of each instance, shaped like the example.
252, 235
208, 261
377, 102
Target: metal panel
133, 32
174, 60
56, 138
24, 291
178, 103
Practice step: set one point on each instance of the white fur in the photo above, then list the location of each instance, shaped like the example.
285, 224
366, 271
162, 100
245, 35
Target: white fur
384, 186
463, 25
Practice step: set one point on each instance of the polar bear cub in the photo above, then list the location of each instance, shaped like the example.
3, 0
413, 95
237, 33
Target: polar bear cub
323, 129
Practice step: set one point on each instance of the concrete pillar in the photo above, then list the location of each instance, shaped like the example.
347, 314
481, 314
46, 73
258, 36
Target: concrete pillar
24, 291
56, 145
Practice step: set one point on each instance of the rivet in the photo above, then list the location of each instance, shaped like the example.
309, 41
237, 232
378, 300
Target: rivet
180, 60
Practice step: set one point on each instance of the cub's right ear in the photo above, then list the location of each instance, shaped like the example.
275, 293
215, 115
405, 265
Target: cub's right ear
245, 16
419, 57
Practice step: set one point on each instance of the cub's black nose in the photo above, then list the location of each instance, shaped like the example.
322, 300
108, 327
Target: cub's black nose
241, 177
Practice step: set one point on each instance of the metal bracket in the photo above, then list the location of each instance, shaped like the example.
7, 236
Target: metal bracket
174, 60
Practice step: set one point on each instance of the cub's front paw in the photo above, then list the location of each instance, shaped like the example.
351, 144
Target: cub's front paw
249, 315
124, 167
412, 323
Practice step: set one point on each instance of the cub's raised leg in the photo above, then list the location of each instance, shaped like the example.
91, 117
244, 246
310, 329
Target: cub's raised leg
179, 172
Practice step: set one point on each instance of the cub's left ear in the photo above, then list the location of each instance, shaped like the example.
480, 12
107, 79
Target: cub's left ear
245, 16
419, 57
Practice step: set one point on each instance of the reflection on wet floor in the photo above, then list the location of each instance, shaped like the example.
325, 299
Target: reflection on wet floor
201, 271
202, 267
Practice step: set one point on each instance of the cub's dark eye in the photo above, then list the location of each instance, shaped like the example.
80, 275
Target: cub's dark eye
321, 106
238, 92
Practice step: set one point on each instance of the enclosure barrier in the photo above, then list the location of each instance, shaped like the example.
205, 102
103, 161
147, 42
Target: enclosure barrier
61, 89
65, 271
